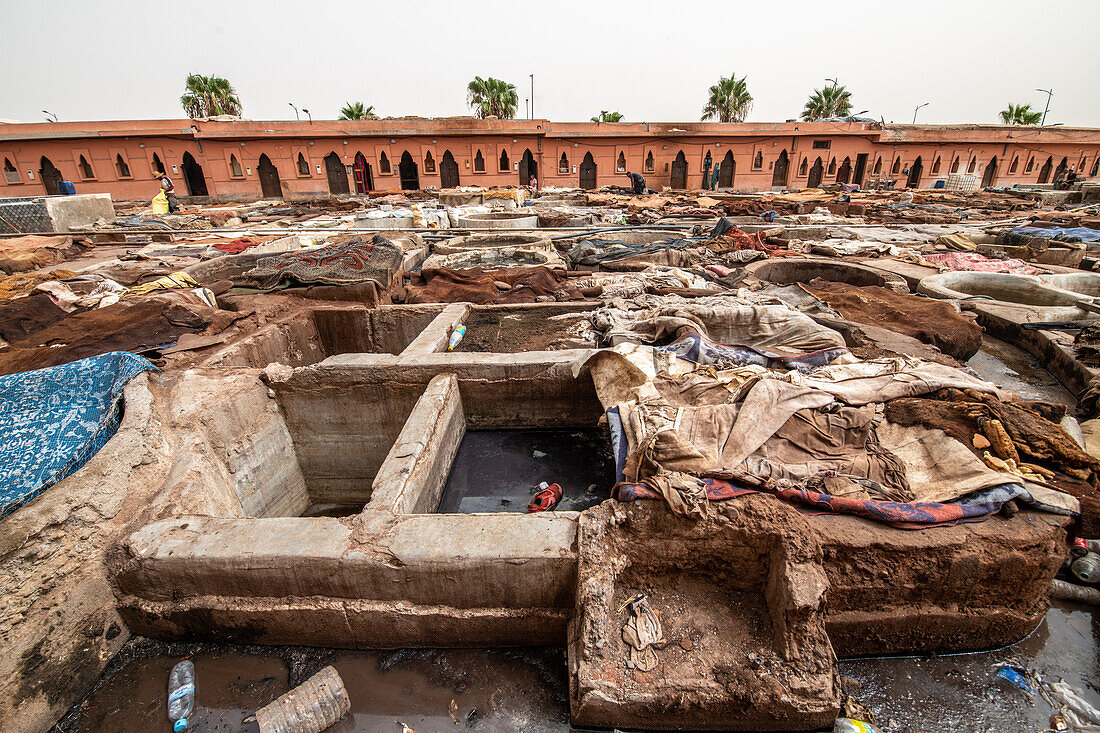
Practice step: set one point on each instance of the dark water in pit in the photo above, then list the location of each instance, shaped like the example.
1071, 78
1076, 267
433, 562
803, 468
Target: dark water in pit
527, 689
499, 470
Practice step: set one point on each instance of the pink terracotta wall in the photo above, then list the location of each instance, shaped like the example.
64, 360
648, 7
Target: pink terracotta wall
755, 150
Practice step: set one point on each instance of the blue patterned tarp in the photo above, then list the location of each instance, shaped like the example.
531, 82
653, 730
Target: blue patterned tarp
54, 420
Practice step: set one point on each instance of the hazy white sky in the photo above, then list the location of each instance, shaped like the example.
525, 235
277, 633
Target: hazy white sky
652, 61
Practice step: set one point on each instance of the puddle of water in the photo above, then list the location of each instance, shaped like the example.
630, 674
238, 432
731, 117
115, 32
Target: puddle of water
494, 690
959, 693
1012, 368
499, 470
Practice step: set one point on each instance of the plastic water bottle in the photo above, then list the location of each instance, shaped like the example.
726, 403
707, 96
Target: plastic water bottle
849, 725
456, 337
181, 694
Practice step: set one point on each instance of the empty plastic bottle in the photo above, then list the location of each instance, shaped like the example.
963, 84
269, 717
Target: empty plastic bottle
181, 694
311, 707
456, 337
849, 725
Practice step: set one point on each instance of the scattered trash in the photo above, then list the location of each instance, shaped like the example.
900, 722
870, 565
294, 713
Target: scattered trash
1078, 713
456, 337
641, 631
404, 727
848, 725
1058, 722
1019, 677
546, 498
452, 710
1070, 592
1080, 547
1087, 568
181, 693
538, 454
311, 707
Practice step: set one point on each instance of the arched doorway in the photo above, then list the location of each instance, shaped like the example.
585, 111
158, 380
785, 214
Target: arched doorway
360, 170
915, 172
528, 168
990, 173
337, 174
779, 172
410, 172
844, 173
680, 171
588, 172
814, 179
726, 170
50, 176
1060, 170
1044, 172
269, 179
861, 169
448, 171
193, 177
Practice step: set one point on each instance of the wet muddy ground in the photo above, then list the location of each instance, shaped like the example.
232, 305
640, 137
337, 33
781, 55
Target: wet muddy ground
544, 329
498, 470
1014, 369
526, 689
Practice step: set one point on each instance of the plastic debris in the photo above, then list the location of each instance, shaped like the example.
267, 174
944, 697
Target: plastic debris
1018, 677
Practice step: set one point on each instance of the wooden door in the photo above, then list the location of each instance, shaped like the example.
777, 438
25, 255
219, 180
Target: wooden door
269, 179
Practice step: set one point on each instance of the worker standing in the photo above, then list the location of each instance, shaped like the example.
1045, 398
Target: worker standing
169, 189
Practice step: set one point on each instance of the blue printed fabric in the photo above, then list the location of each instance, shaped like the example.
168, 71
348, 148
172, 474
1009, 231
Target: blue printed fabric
54, 420
701, 350
1058, 234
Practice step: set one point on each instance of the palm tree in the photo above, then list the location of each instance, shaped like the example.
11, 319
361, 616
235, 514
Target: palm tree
356, 111
1020, 114
209, 96
729, 101
831, 101
606, 116
492, 97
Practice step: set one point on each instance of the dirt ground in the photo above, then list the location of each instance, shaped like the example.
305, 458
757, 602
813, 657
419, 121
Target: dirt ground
544, 329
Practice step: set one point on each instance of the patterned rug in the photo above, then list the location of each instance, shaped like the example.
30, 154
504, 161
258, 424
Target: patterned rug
54, 420
354, 261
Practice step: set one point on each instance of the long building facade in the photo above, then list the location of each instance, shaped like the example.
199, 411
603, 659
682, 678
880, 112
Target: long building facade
247, 160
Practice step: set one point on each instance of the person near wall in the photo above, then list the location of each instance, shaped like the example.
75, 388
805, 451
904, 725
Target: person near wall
534, 183
169, 189
637, 182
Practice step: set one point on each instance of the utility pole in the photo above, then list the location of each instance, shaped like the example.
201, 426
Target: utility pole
1049, 93
917, 109
299, 119
527, 107
532, 96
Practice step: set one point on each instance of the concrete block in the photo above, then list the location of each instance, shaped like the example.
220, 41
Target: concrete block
81, 210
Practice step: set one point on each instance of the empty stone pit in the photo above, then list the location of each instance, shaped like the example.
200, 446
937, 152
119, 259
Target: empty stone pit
785, 272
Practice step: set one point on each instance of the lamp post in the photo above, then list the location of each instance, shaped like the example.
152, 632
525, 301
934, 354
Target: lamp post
532, 96
48, 115
296, 117
308, 115
917, 109
1049, 93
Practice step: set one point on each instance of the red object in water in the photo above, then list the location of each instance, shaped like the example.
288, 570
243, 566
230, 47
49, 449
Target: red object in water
545, 499
1080, 547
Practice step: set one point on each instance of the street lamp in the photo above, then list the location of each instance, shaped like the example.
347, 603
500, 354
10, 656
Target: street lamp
917, 109
834, 81
48, 115
532, 96
1049, 93
308, 115
296, 117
